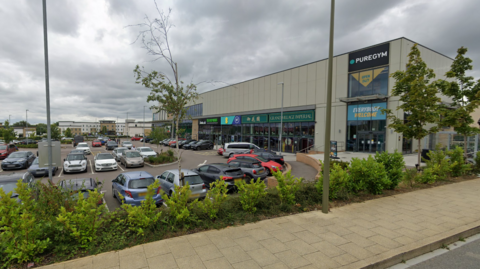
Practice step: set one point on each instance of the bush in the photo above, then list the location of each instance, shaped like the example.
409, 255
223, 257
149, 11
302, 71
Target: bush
216, 196
66, 142
340, 183
476, 166
27, 146
161, 158
394, 164
251, 193
438, 164
178, 206
457, 162
427, 176
287, 186
170, 153
343, 164
369, 175
410, 177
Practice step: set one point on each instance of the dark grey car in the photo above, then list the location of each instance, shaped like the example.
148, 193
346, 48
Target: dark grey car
8, 182
170, 178
212, 172
251, 169
18, 160
111, 145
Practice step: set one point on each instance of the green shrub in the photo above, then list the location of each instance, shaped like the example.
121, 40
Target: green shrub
369, 175
410, 176
439, 164
394, 164
170, 153
251, 193
144, 216
287, 187
66, 141
457, 162
340, 183
427, 176
177, 203
476, 166
343, 164
215, 197
27, 146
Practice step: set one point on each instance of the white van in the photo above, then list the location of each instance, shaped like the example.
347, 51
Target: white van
237, 147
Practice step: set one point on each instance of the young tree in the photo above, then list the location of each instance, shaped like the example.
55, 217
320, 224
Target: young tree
55, 131
167, 92
68, 133
418, 99
158, 134
465, 94
8, 132
104, 130
21, 124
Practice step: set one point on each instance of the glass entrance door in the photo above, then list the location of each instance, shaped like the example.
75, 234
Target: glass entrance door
362, 142
371, 142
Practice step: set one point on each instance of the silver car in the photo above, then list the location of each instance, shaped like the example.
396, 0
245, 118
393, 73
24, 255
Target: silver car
127, 144
132, 158
118, 152
238, 147
170, 178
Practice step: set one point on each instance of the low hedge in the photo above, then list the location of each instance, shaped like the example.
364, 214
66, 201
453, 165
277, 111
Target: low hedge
164, 157
66, 142
27, 146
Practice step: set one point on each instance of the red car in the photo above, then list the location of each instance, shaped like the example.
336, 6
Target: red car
220, 151
270, 165
5, 150
136, 138
96, 143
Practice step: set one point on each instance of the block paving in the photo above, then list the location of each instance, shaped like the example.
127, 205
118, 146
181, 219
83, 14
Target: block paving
376, 233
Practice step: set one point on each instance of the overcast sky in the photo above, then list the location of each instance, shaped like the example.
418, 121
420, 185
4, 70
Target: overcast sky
92, 54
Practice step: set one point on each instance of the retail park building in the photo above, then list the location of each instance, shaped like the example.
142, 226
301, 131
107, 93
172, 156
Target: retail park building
250, 111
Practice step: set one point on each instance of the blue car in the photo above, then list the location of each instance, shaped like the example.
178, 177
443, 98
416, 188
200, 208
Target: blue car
38, 171
133, 187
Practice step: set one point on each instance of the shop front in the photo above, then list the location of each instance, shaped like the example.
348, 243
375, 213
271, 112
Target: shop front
366, 127
209, 129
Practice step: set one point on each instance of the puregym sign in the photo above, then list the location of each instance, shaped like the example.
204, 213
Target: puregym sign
369, 58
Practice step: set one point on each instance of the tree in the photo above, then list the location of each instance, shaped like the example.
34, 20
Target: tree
21, 124
41, 128
168, 93
55, 131
465, 95
68, 133
8, 132
158, 134
418, 99
104, 130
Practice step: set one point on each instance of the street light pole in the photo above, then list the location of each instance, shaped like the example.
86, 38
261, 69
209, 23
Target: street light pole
144, 126
26, 125
281, 122
328, 120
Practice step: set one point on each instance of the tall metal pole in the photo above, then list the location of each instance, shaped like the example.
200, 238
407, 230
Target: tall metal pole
281, 123
47, 91
126, 124
328, 120
26, 125
144, 126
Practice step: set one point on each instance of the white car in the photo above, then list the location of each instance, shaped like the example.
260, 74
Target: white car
127, 144
84, 147
104, 162
76, 162
117, 152
146, 152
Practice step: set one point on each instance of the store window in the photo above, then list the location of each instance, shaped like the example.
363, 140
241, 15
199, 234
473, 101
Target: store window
368, 82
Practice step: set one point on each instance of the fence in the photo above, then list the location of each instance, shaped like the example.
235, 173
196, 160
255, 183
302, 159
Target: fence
449, 140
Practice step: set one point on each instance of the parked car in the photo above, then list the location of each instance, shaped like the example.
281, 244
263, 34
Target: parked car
103, 140
96, 143
18, 160
147, 139
167, 141
28, 141
3, 141
136, 138
76, 162
111, 145
203, 145
104, 162
38, 171
79, 186
189, 145
77, 140
146, 152
252, 169
6, 150
238, 147
74, 151
171, 142
170, 178
133, 188
132, 158
66, 138
270, 165
127, 144
269, 155
220, 151
118, 152
84, 146
184, 142
212, 172
8, 182
13, 141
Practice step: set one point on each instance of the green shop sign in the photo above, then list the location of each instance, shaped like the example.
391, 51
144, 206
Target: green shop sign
297, 116
263, 118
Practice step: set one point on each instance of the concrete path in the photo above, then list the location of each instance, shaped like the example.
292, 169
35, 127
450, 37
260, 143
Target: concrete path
300, 169
377, 233
410, 159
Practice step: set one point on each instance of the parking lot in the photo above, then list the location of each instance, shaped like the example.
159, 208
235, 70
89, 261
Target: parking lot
190, 159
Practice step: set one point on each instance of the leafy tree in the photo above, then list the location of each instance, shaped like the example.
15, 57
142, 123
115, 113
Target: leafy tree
465, 94
104, 130
8, 133
21, 124
158, 134
168, 93
68, 133
41, 128
55, 131
418, 99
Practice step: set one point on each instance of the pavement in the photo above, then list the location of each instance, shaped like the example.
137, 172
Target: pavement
374, 234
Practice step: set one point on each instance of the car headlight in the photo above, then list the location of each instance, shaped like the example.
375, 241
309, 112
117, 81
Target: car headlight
274, 167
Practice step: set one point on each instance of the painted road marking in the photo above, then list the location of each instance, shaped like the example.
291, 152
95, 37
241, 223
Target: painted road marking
60, 174
105, 202
118, 165
91, 167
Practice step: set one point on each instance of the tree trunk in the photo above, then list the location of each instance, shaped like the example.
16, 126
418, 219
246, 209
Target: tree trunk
419, 153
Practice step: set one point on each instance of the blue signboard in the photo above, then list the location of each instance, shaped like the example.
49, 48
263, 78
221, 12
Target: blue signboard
367, 112
237, 120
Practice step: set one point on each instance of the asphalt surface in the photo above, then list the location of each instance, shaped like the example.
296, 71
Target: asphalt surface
190, 159
303, 170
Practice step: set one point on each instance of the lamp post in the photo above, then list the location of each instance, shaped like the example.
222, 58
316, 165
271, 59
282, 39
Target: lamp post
281, 122
144, 126
26, 125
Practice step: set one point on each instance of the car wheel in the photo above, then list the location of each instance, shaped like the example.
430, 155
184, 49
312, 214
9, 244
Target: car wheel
113, 193
249, 179
230, 155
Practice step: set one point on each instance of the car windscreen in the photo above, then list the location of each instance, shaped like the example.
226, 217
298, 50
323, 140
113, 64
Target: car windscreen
8, 186
35, 161
82, 145
132, 154
256, 165
111, 143
126, 143
75, 157
142, 183
3, 147
193, 180
234, 172
104, 156
146, 150
18, 155
121, 151
97, 141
